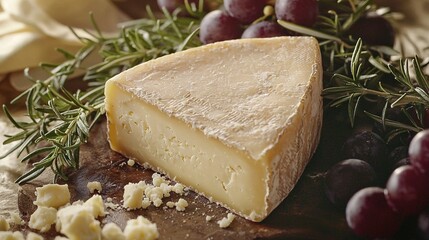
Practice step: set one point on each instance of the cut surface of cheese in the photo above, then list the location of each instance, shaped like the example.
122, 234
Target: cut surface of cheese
236, 121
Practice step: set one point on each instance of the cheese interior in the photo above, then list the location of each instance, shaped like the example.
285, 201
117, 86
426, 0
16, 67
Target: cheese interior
236, 121
212, 168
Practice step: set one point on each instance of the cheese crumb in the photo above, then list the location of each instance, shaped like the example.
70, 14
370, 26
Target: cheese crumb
97, 206
141, 228
157, 179
170, 204
52, 195
157, 202
181, 205
226, 221
78, 222
208, 218
154, 193
16, 219
131, 162
145, 203
133, 195
166, 189
4, 225
92, 186
178, 188
43, 218
11, 235
60, 238
33, 236
111, 231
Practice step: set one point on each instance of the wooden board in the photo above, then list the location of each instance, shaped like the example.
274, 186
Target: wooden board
305, 214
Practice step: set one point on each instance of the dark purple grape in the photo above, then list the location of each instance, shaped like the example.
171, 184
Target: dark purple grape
400, 163
219, 26
346, 178
302, 12
264, 29
426, 119
245, 11
374, 30
369, 215
398, 154
397, 157
366, 146
172, 5
408, 190
423, 224
419, 151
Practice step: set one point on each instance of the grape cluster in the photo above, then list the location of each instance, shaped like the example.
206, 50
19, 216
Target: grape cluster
255, 19
372, 211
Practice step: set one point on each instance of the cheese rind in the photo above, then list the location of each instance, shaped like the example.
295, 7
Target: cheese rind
236, 121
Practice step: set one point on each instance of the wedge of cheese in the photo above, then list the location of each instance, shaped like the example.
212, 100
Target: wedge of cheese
236, 121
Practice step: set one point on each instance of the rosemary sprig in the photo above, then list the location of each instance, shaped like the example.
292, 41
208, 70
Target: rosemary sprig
60, 121
355, 72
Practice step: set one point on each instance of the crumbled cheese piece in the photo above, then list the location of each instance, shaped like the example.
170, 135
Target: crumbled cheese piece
77, 222
157, 179
78, 202
131, 162
92, 186
34, 236
226, 221
141, 228
52, 195
113, 206
60, 238
157, 202
133, 195
170, 204
208, 218
145, 203
154, 193
111, 231
43, 218
166, 189
178, 188
16, 219
181, 205
109, 199
4, 225
97, 205
11, 235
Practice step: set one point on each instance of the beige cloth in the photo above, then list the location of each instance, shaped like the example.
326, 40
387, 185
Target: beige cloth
30, 30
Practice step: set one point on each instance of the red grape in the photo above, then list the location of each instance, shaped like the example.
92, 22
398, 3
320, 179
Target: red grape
219, 26
264, 29
171, 5
346, 178
408, 190
245, 11
374, 30
369, 215
302, 12
419, 151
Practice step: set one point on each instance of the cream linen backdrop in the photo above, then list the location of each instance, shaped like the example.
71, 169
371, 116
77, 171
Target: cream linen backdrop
30, 30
